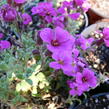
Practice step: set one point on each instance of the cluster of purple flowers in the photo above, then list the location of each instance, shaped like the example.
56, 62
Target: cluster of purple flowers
9, 12
83, 4
66, 54
3, 43
45, 10
58, 16
83, 82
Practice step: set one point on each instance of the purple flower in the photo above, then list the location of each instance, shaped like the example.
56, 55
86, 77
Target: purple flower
41, 8
36, 10
46, 4
77, 66
83, 4
84, 43
73, 70
86, 6
76, 89
59, 21
106, 42
8, 13
82, 63
68, 5
4, 44
61, 10
19, 1
75, 52
79, 2
74, 16
26, 18
106, 33
63, 60
106, 36
57, 39
1, 35
45, 10
87, 79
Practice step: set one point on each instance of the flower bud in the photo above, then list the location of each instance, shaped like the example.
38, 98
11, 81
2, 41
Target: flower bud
26, 18
48, 53
4, 44
1, 35
8, 13
38, 39
36, 54
19, 2
9, 2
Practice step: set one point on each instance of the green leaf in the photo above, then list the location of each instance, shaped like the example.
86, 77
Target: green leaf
34, 91
18, 98
3, 67
29, 81
23, 86
20, 76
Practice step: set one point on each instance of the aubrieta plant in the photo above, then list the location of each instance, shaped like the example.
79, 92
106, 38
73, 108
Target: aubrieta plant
40, 39
66, 52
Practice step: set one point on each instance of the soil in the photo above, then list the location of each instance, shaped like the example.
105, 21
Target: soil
100, 101
96, 99
4, 106
98, 59
98, 56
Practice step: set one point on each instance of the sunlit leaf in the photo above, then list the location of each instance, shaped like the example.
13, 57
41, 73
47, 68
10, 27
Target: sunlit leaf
23, 86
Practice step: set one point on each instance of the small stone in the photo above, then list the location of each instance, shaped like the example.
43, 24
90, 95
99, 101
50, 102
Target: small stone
82, 17
102, 66
101, 34
96, 100
97, 61
97, 36
107, 107
86, 104
107, 97
104, 100
95, 65
92, 33
80, 23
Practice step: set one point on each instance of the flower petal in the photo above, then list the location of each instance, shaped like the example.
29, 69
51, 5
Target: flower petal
46, 35
54, 65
